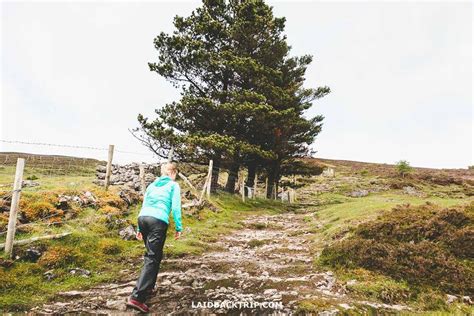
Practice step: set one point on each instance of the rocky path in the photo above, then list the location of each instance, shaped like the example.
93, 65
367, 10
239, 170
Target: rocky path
264, 268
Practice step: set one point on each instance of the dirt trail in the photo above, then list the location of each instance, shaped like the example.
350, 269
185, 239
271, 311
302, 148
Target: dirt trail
269, 260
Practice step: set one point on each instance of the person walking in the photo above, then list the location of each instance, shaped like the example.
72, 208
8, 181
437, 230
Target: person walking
162, 197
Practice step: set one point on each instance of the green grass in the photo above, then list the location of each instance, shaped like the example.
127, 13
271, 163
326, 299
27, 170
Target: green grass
351, 211
103, 253
333, 221
24, 286
77, 179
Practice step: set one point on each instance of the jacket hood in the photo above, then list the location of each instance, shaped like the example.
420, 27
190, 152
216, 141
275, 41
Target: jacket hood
161, 181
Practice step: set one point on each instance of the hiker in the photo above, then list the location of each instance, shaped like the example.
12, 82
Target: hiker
162, 197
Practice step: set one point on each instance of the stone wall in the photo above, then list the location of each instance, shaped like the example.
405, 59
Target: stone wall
128, 175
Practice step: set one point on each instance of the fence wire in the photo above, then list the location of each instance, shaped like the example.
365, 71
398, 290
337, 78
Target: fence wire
47, 171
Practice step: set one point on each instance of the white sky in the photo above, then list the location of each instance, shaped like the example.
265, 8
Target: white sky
76, 73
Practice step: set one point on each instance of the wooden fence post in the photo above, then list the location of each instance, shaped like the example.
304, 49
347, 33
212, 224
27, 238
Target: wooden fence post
186, 180
255, 187
20, 165
109, 166
203, 190
242, 186
266, 186
209, 183
171, 154
142, 179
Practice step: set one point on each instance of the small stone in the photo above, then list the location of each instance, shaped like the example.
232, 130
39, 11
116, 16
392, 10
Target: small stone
72, 293
467, 299
127, 233
276, 296
351, 282
345, 306
49, 275
451, 298
29, 183
269, 291
359, 193
80, 271
116, 304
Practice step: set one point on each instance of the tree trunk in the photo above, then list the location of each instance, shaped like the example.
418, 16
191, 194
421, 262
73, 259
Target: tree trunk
271, 184
273, 178
230, 185
215, 174
252, 169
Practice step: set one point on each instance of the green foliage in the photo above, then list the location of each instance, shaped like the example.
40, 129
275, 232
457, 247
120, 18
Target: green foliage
403, 168
243, 100
110, 246
364, 172
415, 244
95, 245
313, 306
58, 256
32, 177
432, 300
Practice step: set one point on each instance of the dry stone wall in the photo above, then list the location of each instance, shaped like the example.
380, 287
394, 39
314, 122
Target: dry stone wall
128, 175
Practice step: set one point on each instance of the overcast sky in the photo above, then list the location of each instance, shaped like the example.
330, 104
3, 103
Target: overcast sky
400, 75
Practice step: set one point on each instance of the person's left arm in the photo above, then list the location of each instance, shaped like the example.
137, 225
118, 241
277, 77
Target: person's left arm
176, 209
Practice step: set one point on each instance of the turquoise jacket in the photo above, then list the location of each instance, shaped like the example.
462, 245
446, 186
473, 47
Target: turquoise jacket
161, 197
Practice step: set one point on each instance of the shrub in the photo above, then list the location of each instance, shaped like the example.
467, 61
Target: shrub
423, 245
364, 172
37, 210
111, 200
58, 256
431, 300
403, 168
107, 209
109, 247
32, 177
3, 221
386, 290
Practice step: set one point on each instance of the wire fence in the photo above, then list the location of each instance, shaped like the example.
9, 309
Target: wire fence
46, 173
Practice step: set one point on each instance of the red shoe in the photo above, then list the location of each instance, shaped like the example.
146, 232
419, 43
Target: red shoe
138, 305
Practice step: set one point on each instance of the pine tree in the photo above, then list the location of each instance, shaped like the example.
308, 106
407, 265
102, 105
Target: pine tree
242, 97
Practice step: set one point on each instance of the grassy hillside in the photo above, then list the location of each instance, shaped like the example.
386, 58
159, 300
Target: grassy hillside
397, 240
349, 216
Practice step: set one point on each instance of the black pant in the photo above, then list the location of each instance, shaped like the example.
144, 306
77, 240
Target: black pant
154, 235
